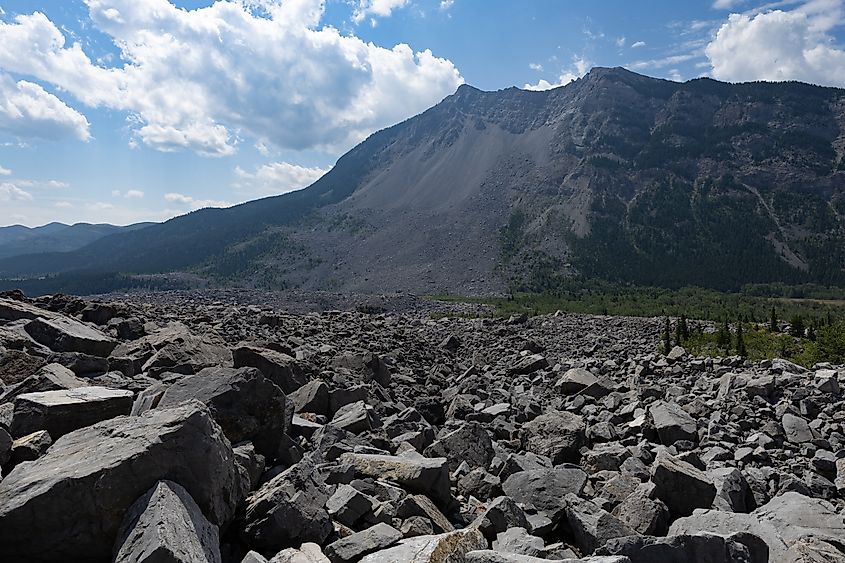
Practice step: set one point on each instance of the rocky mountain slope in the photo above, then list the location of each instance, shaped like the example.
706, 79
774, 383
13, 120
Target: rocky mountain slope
615, 175
197, 429
55, 237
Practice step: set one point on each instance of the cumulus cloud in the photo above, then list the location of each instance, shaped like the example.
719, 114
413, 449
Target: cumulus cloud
277, 178
535, 66
10, 192
202, 79
781, 45
5, 171
579, 68
174, 197
376, 8
27, 110
133, 194
446, 4
726, 4
638, 44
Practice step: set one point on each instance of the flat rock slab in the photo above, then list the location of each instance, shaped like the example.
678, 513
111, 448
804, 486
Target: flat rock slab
69, 503
428, 476
281, 369
49, 378
449, 547
545, 489
355, 546
62, 334
165, 524
66, 410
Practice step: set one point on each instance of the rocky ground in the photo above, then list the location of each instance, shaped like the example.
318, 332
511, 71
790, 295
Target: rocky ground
190, 427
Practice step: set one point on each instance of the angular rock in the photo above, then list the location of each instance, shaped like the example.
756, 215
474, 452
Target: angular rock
68, 504
643, 514
545, 489
699, 547
592, 526
62, 334
348, 505
499, 515
245, 404
281, 369
673, 423
528, 364
575, 380
312, 397
61, 412
355, 418
519, 542
557, 435
30, 447
797, 429
49, 378
445, 548
308, 552
680, 485
428, 476
165, 524
470, 443
352, 548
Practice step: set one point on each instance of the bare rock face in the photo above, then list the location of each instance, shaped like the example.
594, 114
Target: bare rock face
63, 334
69, 503
60, 412
165, 524
245, 404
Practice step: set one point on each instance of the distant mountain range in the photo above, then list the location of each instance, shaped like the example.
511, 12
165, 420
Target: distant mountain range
615, 176
55, 237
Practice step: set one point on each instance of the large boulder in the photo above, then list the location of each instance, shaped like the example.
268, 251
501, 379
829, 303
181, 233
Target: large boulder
558, 435
245, 404
165, 524
592, 526
355, 546
287, 510
61, 412
49, 378
693, 548
281, 369
427, 476
175, 349
69, 503
470, 443
575, 380
450, 547
673, 423
680, 485
62, 334
545, 489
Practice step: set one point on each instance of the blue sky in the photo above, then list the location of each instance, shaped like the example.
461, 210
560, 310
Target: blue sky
128, 110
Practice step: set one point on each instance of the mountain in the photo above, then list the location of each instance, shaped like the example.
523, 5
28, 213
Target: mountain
16, 240
616, 176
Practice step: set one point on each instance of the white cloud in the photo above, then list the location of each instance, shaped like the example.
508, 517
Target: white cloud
64, 204
664, 62
277, 178
203, 79
5, 171
535, 66
174, 197
781, 45
100, 206
376, 8
133, 194
620, 41
10, 192
446, 4
638, 44
27, 110
579, 67
726, 4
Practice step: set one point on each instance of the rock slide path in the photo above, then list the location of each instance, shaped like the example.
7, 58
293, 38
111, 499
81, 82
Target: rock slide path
195, 430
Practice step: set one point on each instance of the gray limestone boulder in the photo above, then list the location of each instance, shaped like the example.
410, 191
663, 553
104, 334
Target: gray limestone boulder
470, 443
428, 476
63, 334
545, 489
558, 435
281, 369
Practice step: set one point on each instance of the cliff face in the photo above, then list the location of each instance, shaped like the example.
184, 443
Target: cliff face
616, 175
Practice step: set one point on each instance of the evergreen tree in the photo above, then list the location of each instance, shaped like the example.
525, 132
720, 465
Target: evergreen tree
773, 323
740, 341
684, 328
667, 338
796, 326
811, 333
723, 336
678, 336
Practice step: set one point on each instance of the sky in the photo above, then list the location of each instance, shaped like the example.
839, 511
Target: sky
122, 111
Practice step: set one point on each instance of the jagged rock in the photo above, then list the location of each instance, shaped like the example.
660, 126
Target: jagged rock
428, 476
558, 435
12, 310
287, 510
732, 491
355, 417
575, 380
518, 541
470, 443
62, 334
281, 369
175, 349
449, 547
592, 526
15, 366
480, 484
545, 489
69, 503
30, 447
368, 366
421, 506
680, 485
51, 377
308, 552
529, 364
797, 429
499, 515
353, 547
165, 524
60, 412
490, 556
245, 404
312, 397
348, 505
699, 547
643, 514
251, 463
5, 447
673, 423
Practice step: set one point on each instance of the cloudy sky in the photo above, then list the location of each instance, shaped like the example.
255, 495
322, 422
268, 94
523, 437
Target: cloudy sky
128, 110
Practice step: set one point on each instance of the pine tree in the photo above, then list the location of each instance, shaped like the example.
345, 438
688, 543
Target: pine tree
740, 341
773, 324
796, 326
684, 328
811, 333
723, 336
667, 338
678, 335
